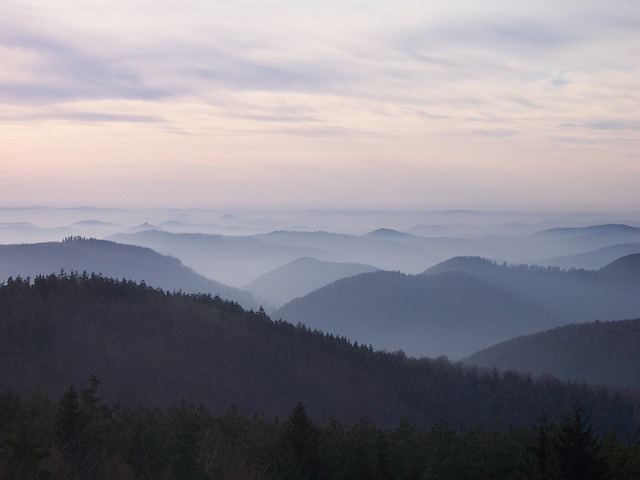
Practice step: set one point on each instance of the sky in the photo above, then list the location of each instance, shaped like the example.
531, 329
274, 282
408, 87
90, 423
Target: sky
428, 104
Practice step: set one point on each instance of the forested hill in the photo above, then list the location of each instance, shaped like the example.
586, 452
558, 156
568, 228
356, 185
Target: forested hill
299, 277
154, 348
112, 260
571, 296
452, 314
606, 353
626, 269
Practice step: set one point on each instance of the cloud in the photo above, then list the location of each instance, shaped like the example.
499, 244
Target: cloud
614, 125
420, 82
106, 117
59, 71
287, 51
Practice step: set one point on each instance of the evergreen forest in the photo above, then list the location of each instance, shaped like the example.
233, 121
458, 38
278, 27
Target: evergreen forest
78, 436
107, 378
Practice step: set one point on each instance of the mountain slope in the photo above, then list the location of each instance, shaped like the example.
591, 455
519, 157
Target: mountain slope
450, 314
625, 269
592, 231
152, 348
234, 260
385, 249
299, 277
550, 246
593, 259
571, 296
604, 353
113, 260
585, 239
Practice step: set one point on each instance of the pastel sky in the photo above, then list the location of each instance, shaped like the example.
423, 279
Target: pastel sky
430, 104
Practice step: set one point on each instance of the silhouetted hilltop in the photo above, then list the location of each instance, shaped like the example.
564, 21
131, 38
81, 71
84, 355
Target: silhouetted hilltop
451, 314
605, 353
113, 260
299, 277
473, 265
153, 348
388, 234
626, 268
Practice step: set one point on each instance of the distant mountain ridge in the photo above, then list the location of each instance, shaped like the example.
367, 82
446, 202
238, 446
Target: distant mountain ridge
235, 260
592, 229
466, 303
389, 234
152, 348
593, 259
600, 353
571, 296
626, 268
113, 260
299, 277
452, 314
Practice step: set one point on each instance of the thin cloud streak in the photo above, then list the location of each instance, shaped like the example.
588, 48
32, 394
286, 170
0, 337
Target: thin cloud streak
383, 81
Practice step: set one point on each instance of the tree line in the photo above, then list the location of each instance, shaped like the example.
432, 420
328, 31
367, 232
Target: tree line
79, 436
361, 413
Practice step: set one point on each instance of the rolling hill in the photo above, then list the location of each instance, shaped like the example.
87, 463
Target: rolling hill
592, 231
549, 247
452, 314
386, 249
234, 260
586, 239
593, 259
626, 270
571, 296
153, 348
113, 260
299, 277
240, 259
605, 353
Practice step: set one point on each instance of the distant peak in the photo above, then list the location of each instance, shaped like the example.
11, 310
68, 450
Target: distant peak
91, 223
386, 232
627, 267
462, 263
145, 227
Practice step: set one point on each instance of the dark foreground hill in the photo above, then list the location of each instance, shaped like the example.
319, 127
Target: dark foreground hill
112, 260
606, 353
452, 314
153, 348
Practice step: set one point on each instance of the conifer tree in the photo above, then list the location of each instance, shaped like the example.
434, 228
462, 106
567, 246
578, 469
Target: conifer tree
578, 449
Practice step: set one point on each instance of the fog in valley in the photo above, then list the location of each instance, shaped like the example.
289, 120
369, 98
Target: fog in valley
432, 283
319, 240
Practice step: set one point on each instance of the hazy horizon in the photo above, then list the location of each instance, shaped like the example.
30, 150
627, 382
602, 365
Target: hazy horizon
499, 105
